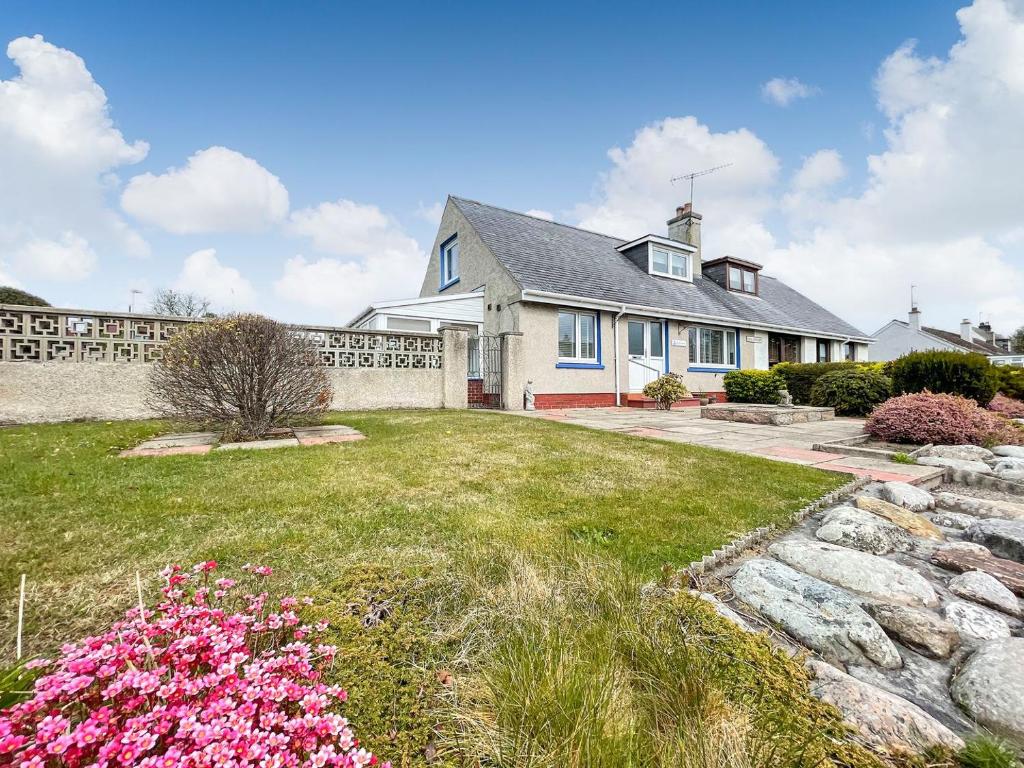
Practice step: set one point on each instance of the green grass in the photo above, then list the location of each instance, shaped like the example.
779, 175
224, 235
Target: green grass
507, 554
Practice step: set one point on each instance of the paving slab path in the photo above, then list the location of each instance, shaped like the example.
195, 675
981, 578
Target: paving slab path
792, 443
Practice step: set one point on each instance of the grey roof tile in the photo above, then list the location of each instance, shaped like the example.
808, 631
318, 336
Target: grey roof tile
547, 256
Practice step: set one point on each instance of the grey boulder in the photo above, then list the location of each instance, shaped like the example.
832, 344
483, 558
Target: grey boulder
883, 720
1004, 538
960, 452
963, 464
1013, 451
1007, 462
986, 590
956, 520
1014, 475
818, 615
975, 624
852, 527
924, 631
990, 687
869, 575
971, 505
906, 495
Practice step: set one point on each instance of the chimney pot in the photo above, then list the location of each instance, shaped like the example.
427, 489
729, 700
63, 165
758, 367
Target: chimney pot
965, 329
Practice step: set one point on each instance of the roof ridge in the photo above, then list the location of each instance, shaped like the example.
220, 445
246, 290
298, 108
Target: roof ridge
537, 218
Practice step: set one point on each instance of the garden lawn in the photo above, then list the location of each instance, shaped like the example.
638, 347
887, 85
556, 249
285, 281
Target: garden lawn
443, 547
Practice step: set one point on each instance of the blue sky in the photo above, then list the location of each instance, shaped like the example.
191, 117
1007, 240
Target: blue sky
392, 108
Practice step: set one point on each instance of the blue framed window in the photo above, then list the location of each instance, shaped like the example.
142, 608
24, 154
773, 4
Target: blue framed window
449, 262
713, 349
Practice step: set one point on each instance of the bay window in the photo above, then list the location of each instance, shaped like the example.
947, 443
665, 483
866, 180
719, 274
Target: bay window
712, 346
577, 336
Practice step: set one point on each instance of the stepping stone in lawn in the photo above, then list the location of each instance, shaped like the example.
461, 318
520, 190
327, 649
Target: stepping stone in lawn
869, 575
960, 558
904, 518
818, 615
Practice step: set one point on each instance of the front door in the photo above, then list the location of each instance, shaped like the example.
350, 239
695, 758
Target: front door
646, 342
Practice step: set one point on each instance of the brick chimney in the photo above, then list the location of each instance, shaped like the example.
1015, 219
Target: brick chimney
685, 227
914, 318
965, 330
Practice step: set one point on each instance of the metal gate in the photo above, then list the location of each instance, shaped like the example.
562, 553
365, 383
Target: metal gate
485, 371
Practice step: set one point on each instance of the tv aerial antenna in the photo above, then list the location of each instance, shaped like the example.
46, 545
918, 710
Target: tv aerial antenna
696, 174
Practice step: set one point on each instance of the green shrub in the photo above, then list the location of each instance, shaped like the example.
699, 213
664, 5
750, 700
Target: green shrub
852, 392
666, 390
952, 373
11, 295
987, 752
800, 377
902, 458
1011, 380
753, 386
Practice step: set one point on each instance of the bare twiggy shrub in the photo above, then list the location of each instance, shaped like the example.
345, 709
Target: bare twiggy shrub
248, 372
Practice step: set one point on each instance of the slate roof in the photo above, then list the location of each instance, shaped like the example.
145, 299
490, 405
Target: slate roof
971, 346
547, 256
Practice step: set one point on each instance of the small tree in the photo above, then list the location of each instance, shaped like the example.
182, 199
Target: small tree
179, 304
1017, 341
248, 372
11, 295
666, 390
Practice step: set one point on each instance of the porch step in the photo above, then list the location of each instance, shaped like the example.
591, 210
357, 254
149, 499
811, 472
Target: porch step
640, 401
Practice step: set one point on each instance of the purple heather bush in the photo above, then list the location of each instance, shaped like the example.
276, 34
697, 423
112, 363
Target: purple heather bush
1007, 406
942, 419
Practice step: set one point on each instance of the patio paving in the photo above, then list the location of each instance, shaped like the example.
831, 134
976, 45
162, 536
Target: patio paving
792, 443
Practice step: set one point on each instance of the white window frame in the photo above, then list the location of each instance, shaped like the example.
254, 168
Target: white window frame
576, 358
446, 249
728, 346
688, 277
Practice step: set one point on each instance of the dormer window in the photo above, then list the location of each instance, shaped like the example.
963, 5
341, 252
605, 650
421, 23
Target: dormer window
670, 263
738, 275
741, 279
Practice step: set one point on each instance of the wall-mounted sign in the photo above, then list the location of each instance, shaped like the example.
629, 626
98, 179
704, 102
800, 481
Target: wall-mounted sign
678, 342
754, 339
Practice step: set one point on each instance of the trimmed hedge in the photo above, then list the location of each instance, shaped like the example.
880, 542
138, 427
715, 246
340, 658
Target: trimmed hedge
1011, 380
954, 373
851, 392
753, 386
800, 377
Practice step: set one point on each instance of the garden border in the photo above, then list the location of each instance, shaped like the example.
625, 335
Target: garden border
722, 555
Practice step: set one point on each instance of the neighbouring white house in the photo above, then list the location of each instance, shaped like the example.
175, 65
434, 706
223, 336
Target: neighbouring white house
900, 337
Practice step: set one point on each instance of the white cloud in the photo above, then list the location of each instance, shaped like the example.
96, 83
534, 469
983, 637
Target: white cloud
58, 149
783, 91
541, 214
940, 207
822, 169
204, 275
637, 195
430, 213
218, 190
381, 261
68, 259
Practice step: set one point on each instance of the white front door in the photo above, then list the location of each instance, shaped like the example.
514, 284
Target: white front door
646, 349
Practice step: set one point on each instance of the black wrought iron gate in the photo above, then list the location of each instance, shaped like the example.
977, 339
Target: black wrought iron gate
485, 371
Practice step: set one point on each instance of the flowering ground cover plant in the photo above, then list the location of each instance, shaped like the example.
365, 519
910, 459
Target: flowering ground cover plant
938, 418
1008, 406
210, 678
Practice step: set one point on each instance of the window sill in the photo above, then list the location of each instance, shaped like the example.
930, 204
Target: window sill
595, 366
707, 369
449, 284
